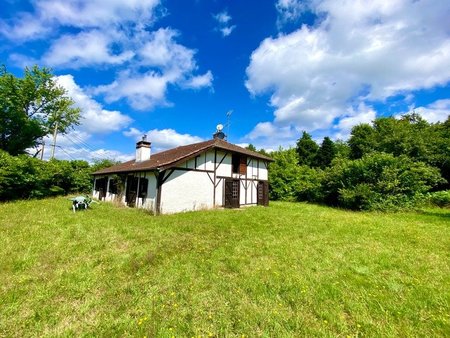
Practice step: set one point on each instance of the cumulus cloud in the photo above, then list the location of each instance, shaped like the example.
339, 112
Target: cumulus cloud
200, 81
82, 142
224, 23
290, 10
163, 139
85, 48
50, 14
170, 64
161, 50
95, 119
142, 91
438, 111
359, 52
24, 26
115, 35
267, 135
353, 117
77, 144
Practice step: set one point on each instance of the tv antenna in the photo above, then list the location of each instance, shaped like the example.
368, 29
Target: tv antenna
228, 121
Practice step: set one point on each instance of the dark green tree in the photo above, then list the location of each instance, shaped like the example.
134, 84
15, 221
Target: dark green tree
306, 150
284, 175
251, 147
362, 141
32, 107
326, 153
342, 149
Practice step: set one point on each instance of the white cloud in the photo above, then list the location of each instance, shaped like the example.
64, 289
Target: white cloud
78, 145
112, 34
290, 10
360, 52
24, 26
161, 50
267, 135
50, 14
22, 60
95, 119
163, 139
227, 30
223, 21
143, 91
199, 81
82, 142
170, 63
222, 17
96, 13
438, 111
69, 152
85, 48
363, 114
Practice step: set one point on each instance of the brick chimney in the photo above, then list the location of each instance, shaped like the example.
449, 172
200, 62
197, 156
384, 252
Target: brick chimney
143, 150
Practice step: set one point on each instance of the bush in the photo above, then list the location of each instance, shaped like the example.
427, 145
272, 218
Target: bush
26, 177
439, 198
309, 185
378, 181
284, 175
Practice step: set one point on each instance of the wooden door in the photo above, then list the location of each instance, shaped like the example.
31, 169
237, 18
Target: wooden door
130, 197
101, 184
232, 193
263, 193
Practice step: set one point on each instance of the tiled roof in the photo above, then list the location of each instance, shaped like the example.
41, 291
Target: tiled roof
171, 157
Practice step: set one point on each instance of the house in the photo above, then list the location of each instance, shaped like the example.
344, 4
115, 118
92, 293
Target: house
197, 176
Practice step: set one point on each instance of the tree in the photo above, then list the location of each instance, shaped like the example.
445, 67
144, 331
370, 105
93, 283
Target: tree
32, 107
284, 175
342, 149
251, 147
378, 181
326, 153
306, 150
362, 140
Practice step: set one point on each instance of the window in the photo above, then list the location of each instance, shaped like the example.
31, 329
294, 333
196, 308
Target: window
239, 164
113, 186
143, 187
100, 183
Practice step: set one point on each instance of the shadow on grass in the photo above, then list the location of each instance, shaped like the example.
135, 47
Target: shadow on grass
445, 213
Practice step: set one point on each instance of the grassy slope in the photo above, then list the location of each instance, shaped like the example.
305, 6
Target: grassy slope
286, 270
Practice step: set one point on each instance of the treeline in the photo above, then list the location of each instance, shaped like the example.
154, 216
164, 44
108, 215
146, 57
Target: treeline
24, 177
389, 164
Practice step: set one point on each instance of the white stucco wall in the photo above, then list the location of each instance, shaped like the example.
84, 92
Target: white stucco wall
209, 161
150, 201
242, 192
251, 192
186, 191
224, 169
263, 173
220, 192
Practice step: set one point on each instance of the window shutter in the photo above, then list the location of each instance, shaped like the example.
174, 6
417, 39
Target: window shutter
243, 165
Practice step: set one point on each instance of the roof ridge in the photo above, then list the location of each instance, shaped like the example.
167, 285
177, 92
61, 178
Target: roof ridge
170, 157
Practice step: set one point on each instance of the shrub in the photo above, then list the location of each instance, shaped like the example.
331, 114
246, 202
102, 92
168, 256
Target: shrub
284, 175
26, 177
378, 181
439, 198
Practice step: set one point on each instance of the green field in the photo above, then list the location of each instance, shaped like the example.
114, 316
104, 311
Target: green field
289, 270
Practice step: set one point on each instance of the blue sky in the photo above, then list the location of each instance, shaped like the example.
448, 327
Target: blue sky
173, 69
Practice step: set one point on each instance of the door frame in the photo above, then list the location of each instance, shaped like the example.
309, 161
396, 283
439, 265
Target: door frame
232, 193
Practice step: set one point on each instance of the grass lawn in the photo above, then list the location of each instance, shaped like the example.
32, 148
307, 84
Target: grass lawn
289, 270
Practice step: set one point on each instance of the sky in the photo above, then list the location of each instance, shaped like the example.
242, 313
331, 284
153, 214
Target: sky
266, 70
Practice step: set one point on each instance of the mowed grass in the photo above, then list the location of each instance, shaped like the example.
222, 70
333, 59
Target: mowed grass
289, 270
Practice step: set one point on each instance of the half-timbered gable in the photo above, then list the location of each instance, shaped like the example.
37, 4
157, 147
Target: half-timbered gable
198, 176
